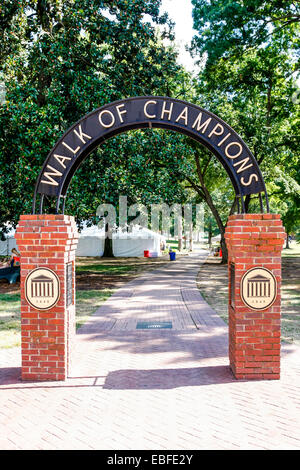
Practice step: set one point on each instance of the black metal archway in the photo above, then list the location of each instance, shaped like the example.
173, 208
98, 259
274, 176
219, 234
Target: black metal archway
148, 112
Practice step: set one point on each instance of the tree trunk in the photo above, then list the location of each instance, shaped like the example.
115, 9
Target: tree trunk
108, 248
224, 249
287, 243
204, 192
179, 234
209, 236
191, 237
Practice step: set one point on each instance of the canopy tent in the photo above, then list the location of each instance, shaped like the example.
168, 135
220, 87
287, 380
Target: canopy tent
125, 244
129, 244
91, 242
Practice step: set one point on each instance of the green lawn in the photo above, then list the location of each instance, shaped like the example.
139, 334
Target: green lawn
293, 251
87, 302
106, 268
173, 244
10, 321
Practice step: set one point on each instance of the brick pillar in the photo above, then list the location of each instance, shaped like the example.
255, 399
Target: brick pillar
47, 241
254, 240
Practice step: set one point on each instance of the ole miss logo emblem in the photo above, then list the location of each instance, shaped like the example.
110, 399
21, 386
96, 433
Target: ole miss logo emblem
42, 288
258, 288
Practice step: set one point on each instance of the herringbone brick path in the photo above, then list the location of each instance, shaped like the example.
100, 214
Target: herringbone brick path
152, 389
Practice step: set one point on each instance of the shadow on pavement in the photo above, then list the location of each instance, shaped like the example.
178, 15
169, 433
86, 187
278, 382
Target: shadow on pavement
168, 378
126, 379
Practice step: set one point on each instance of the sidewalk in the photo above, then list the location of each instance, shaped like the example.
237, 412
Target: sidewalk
152, 389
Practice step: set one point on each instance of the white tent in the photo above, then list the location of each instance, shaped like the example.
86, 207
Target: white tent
137, 241
91, 242
125, 244
9, 243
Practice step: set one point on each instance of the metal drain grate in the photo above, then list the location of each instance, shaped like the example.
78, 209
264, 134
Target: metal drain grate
153, 325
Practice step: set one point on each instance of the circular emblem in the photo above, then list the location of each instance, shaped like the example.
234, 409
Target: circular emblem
258, 288
42, 288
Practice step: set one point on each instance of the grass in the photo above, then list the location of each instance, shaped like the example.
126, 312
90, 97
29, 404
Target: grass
10, 320
293, 251
105, 268
173, 244
212, 282
87, 302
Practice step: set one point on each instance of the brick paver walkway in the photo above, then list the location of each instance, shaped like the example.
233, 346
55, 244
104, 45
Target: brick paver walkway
152, 389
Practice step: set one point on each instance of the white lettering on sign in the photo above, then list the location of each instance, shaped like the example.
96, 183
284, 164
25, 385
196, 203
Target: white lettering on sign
199, 125
243, 166
202, 123
223, 140
111, 116
253, 176
150, 116
61, 159
166, 111
183, 115
70, 148
214, 131
121, 112
49, 175
81, 134
231, 144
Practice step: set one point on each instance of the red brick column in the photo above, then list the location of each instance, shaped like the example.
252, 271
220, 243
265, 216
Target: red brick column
47, 241
254, 240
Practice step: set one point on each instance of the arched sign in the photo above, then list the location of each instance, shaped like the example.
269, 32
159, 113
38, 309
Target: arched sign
144, 112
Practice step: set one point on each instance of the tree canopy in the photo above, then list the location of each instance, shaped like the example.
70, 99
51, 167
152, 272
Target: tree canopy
250, 64
61, 59
230, 27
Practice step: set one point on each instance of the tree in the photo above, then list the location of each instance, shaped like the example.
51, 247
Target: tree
60, 60
248, 79
284, 192
231, 27
147, 166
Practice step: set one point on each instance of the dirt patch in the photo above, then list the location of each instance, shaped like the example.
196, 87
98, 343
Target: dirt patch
91, 281
5, 287
212, 281
108, 279
291, 270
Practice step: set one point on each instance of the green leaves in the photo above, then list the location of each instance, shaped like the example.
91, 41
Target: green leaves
228, 27
62, 59
249, 81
